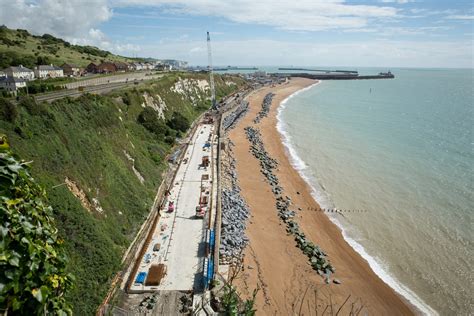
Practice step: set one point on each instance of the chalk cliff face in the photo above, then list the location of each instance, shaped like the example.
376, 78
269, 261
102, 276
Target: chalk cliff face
101, 167
194, 90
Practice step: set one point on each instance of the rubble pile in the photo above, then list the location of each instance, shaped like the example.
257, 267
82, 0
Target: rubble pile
235, 213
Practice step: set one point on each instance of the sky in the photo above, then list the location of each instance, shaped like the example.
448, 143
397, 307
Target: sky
379, 33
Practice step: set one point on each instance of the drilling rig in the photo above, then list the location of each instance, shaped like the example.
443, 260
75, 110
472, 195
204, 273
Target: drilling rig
211, 73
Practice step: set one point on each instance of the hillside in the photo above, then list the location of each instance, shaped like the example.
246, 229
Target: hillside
19, 47
100, 159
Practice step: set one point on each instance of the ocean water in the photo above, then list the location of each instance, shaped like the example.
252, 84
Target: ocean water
396, 156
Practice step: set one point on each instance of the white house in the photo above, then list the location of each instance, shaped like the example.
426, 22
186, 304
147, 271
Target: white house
48, 71
136, 66
12, 84
19, 72
147, 66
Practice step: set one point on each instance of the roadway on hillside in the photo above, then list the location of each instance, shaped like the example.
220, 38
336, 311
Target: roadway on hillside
92, 88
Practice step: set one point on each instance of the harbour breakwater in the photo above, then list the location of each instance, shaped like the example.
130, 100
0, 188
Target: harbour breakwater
338, 76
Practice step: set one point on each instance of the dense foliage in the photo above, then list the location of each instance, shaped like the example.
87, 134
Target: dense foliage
91, 50
19, 47
8, 111
32, 261
85, 141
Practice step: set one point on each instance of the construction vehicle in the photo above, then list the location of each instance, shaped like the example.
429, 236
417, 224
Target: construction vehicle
171, 207
203, 200
200, 212
205, 161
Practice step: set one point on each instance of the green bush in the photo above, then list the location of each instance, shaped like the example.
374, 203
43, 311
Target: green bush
178, 122
32, 275
32, 107
8, 110
150, 120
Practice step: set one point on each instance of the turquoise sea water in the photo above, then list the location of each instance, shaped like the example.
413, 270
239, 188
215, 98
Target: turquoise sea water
402, 151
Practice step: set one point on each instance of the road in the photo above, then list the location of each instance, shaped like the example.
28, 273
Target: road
97, 89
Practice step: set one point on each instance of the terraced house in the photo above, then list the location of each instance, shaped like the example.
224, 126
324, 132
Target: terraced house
11, 84
48, 71
19, 72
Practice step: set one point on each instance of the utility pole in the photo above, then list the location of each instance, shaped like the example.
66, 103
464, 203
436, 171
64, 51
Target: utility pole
211, 73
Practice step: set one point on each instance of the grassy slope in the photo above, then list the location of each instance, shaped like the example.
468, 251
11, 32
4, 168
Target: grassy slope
27, 46
84, 140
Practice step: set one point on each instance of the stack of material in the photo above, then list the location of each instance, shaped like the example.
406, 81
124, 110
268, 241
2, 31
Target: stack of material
235, 213
155, 274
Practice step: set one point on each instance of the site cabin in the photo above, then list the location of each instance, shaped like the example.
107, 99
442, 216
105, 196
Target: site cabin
157, 247
200, 212
140, 278
205, 161
170, 207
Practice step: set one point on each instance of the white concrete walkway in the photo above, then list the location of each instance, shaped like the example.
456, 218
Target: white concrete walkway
181, 235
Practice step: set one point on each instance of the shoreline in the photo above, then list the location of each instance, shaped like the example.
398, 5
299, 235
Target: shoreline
300, 165
283, 279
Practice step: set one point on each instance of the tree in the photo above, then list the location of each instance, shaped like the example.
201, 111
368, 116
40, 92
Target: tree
33, 280
42, 60
8, 110
151, 121
178, 122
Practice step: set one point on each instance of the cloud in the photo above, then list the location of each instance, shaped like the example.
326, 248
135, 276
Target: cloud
64, 18
76, 21
303, 15
386, 53
460, 17
397, 1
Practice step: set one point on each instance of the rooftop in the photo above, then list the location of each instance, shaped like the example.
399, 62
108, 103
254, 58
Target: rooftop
48, 67
18, 69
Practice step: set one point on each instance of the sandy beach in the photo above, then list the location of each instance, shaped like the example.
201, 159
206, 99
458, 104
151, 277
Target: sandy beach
272, 263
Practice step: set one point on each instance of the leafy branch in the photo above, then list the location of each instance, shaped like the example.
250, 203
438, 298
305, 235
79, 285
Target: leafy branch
32, 261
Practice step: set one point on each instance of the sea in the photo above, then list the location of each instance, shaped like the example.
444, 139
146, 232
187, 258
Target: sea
396, 157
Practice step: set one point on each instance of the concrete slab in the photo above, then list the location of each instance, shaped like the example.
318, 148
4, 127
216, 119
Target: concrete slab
182, 236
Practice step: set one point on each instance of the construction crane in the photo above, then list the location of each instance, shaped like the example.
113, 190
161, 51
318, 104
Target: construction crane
211, 73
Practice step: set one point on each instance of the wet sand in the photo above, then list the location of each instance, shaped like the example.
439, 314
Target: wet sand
272, 263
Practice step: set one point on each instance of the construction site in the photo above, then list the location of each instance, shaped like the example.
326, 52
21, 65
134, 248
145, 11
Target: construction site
171, 265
